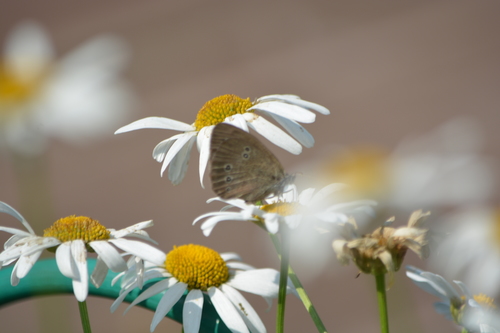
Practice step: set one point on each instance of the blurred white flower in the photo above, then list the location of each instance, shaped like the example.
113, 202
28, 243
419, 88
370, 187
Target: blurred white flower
75, 98
440, 168
290, 208
475, 313
470, 248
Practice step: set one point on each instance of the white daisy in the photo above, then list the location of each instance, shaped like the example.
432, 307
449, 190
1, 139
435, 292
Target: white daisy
75, 98
289, 209
198, 270
475, 313
72, 237
444, 167
471, 248
287, 110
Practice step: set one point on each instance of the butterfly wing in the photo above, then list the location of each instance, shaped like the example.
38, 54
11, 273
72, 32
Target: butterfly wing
241, 166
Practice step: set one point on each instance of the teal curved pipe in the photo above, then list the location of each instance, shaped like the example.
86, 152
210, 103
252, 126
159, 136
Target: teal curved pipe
46, 279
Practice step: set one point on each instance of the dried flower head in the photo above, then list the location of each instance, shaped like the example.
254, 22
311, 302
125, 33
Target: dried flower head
384, 249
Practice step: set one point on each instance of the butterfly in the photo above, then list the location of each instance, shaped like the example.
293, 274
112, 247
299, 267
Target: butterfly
242, 167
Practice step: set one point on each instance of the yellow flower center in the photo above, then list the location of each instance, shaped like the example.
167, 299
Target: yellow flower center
281, 208
197, 266
216, 110
485, 301
14, 91
363, 169
77, 227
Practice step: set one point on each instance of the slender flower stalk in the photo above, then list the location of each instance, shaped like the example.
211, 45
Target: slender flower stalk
382, 303
84, 316
300, 289
285, 259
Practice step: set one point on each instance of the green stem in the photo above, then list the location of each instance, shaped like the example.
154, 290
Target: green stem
301, 291
285, 258
84, 315
382, 303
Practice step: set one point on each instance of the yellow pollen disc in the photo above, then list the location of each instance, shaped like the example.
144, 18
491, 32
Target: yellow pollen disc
197, 266
77, 227
485, 301
281, 208
14, 91
216, 110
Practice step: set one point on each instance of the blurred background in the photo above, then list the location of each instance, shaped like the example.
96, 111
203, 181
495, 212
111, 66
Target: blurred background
388, 71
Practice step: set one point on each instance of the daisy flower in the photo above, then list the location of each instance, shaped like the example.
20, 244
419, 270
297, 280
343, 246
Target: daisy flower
471, 248
289, 209
75, 98
72, 238
384, 249
287, 110
444, 167
200, 271
474, 313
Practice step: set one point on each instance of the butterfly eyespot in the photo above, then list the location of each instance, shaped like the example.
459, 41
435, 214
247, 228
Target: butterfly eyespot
247, 148
228, 189
228, 167
273, 177
245, 155
228, 179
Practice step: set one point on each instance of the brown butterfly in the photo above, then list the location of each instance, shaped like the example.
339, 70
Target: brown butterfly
242, 167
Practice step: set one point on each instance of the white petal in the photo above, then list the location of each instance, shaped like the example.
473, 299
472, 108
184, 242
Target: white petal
4, 208
79, 256
239, 121
296, 130
104, 53
25, 263
191, 313
226, 256
179, 164
151, 291
140, 249
246, 310
132, 229
65, 262
286, 110
274, 134
14, 280
109, 255
271, 221
99, 274
161, 149
27, 246
185, 139
236, 265
227, 311
156, 122
15, 231
123, 294
28, 51
210, 223
294, 99
203, 141
263, 282
167, 301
